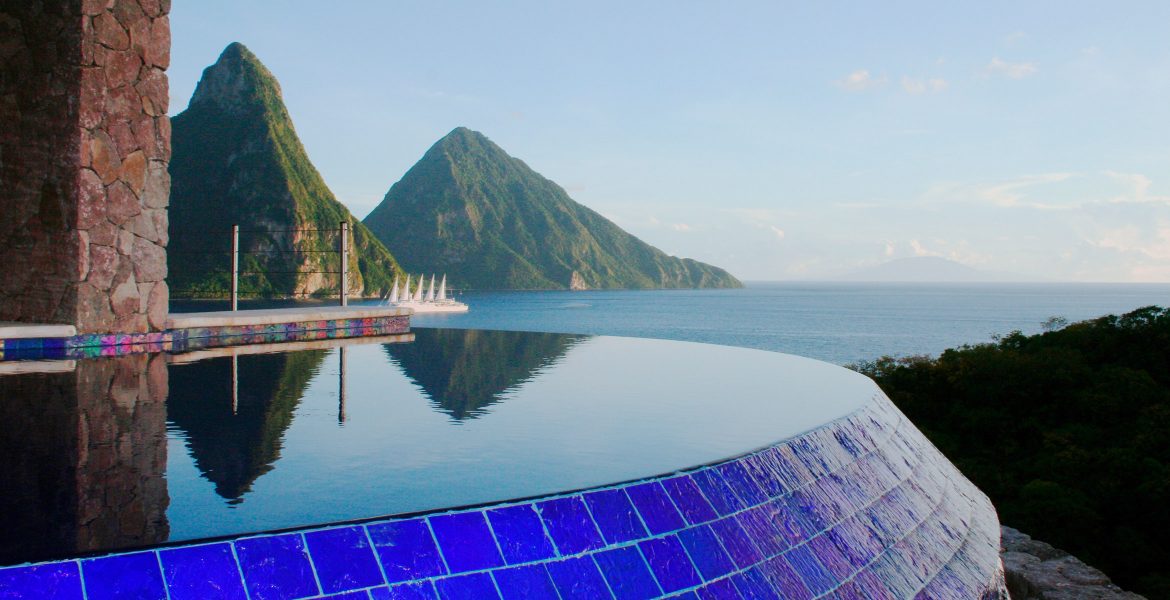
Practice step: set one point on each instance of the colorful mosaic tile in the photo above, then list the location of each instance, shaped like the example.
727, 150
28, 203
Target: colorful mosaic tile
864, 507
93, 345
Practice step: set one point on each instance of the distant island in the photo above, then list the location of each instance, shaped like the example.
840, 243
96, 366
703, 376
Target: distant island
489, 221
237, 160
927, 269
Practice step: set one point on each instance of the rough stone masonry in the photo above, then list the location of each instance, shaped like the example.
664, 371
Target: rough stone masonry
84, 147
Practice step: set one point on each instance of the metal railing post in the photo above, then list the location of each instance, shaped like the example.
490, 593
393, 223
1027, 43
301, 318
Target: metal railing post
344, 270
235, 266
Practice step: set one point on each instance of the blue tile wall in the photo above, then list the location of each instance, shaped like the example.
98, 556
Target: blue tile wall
863, 507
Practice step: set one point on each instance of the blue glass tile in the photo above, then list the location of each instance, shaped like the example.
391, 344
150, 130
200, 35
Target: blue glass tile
520, 533
406, 549
829, 556
810, 570
794, 530
686, 596
275, 567
872, 587
757, 522
658, 512
804, 509
123, 576
359, 595
854, 541
760, 466
627, 574
569, 524
615, 516
724, 589
343, 559
722, 498
466, 542
418, 590
703, 547
578, 578
689, 499
59, 581
743, 552
742, 483
752, 584
785, 580
670, 563
524, 583
198, 572
475, 586
850, 591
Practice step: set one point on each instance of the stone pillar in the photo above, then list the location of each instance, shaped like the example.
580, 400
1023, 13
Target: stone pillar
84, 146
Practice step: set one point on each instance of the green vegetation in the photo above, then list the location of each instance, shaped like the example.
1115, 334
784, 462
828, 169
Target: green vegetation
1067, 431
486, 219
238, 160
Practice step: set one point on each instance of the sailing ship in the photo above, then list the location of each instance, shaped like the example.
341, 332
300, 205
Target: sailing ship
423, 299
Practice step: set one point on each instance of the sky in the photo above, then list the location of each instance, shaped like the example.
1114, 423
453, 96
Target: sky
779, 140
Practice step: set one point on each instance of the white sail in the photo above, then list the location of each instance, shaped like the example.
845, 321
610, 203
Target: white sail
418, 294
443, 289
405, 290
431, 290
394, 291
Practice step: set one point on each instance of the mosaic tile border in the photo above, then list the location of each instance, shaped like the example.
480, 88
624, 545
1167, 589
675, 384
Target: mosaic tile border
95, 345
864, 507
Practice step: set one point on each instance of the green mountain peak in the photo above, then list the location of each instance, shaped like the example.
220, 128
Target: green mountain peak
238, 82
237, 160
469, 209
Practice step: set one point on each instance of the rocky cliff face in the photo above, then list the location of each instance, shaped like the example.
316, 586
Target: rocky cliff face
486, 219
1037, 571
238, 160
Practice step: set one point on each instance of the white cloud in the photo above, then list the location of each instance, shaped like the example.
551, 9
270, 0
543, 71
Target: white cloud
916, 86
1019, 70
889, 250
1010, 193
920, 250
776, 230
860, 81
1139, 188
1014, 38
681, 227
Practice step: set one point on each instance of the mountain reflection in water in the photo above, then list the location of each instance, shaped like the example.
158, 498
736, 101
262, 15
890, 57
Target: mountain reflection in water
234, 423
464, 371
85, 443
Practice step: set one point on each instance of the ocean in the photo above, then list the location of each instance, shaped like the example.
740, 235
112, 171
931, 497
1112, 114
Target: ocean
836, 322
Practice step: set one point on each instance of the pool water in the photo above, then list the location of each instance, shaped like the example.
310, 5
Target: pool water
141, 450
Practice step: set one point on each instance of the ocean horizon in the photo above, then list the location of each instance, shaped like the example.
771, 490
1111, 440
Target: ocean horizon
838, 322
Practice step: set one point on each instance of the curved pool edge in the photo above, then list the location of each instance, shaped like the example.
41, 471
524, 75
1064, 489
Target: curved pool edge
862, 507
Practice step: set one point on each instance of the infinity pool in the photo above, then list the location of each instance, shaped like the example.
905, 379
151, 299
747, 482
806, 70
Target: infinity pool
140, 450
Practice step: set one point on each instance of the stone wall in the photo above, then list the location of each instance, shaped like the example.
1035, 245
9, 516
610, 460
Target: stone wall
84, 146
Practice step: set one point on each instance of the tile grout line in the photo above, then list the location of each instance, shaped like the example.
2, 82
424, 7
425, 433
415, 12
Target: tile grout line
435, 539
240, 570
377, 557
162, 574
81, 576
312, 565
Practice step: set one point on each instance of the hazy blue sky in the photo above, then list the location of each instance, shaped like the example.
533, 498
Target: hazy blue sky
779, 140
